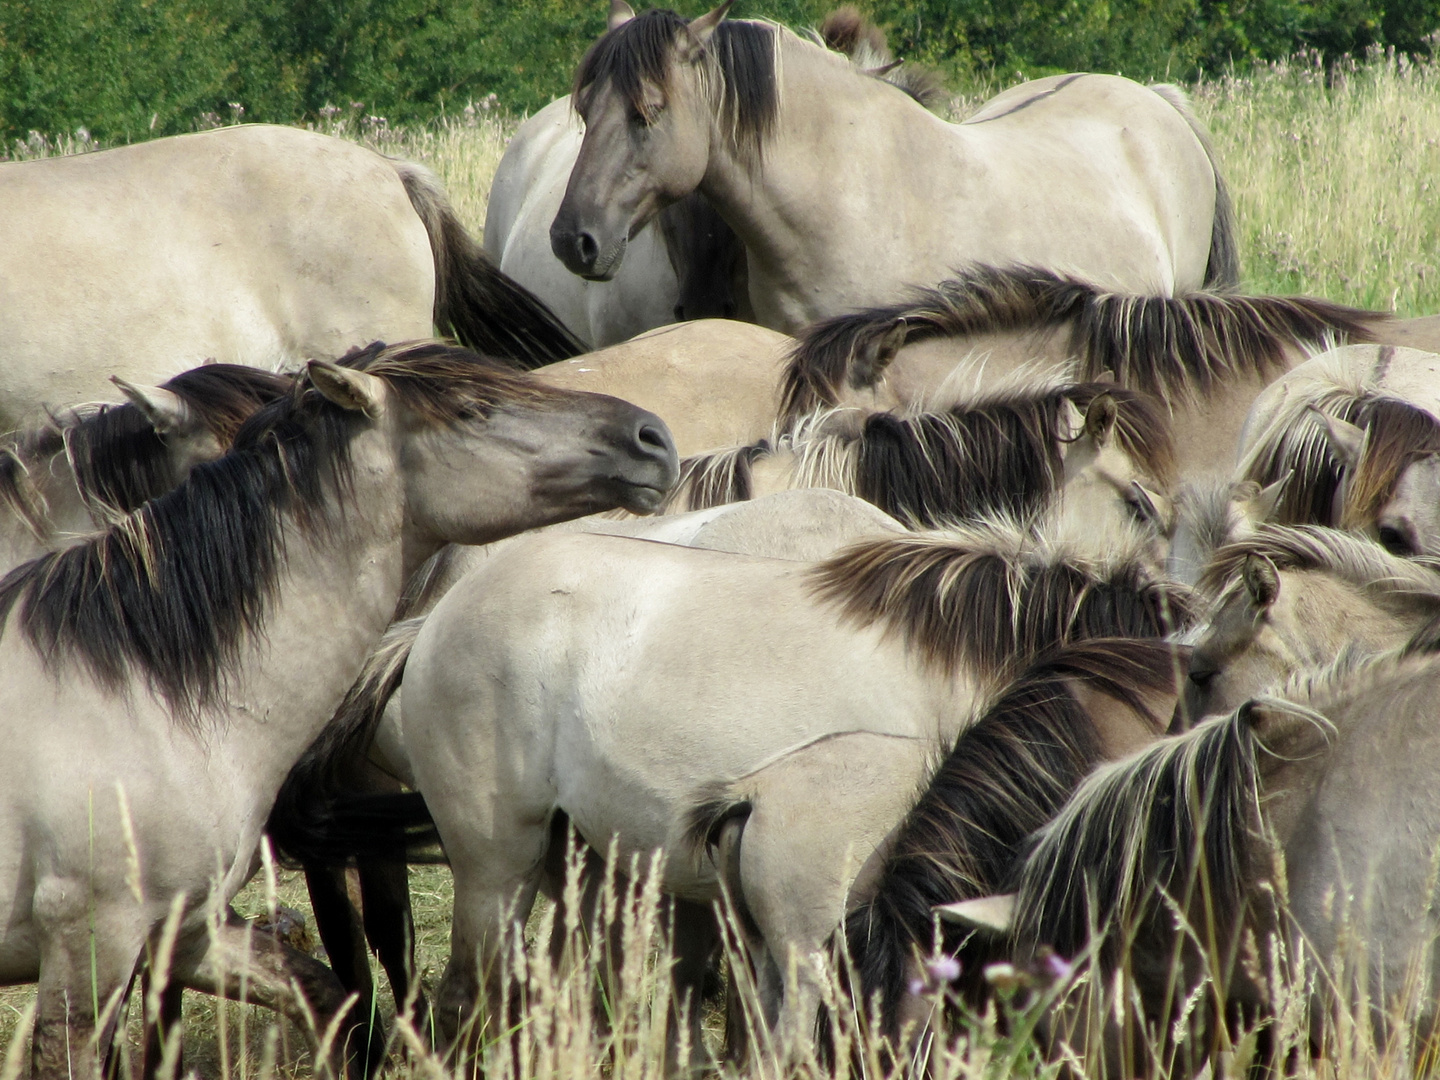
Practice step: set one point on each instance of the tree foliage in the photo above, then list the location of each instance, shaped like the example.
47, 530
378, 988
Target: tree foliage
126, 69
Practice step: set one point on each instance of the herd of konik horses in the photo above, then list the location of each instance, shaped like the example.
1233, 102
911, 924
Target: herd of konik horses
1021, 601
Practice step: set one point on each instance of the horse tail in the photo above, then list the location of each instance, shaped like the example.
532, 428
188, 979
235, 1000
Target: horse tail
475, 302
314, 819
1222, 270
714, 827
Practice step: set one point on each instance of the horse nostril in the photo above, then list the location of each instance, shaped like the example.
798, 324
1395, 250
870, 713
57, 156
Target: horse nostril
653, 437
1396, 542
587, 248
679, 312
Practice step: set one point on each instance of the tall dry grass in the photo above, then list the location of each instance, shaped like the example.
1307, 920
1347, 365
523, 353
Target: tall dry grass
1335, 174
603, 1015
1336, 177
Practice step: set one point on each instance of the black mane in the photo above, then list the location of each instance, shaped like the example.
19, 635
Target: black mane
174, 589
742, 55
120, 461
1007, 775
1172, 347
961, 600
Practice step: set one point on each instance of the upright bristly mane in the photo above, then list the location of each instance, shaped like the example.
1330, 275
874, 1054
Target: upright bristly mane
1176, 348
173, 591
1168, 826
990, 595
1294, 443
118, 459
1403, 586
997, 455
741, 64
1397, 435
1007, 775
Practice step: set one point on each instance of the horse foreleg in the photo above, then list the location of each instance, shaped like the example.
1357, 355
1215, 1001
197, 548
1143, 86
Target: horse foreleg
235, 961
160, 1029
88, 955
390, 927
495, 887
695, 940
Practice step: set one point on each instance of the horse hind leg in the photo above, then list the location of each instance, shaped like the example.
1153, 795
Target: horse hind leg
695, 939
162, 1029
390, 927
341, 932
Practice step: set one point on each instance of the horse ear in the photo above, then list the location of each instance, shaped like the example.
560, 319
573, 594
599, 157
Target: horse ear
1100, 418
873, 358
620, 14
702, 28
1262, 580
1262, 504
167, 412
1346, 440
995, 914
350, 389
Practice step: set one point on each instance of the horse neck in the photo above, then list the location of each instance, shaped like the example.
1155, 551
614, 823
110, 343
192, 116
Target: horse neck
771, 204
1123, 730
333, 599
1332, 614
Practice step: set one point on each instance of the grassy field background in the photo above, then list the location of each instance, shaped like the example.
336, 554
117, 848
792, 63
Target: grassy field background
1333, 175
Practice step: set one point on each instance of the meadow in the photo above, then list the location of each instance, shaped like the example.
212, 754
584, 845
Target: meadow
1332, 173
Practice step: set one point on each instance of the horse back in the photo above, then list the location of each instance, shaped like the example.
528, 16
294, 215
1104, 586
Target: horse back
256, 245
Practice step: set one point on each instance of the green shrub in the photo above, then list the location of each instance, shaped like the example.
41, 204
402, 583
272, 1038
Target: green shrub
126, 69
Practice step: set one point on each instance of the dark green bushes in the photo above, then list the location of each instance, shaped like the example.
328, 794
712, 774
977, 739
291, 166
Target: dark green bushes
125, 69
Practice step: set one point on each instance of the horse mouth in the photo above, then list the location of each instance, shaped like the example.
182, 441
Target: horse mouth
641, 498
607, 263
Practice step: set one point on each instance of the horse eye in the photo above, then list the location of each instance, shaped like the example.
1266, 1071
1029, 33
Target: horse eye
1202, 677
1140, 512
1395, 542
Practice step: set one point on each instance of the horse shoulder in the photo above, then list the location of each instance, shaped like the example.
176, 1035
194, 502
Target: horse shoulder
541, 151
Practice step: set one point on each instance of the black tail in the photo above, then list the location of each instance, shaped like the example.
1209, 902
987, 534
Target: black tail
1222, 272
475, 302
340, 828
319, 817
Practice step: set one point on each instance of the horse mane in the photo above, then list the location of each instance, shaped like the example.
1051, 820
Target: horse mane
1398, 434
174, 589
741, 58
718, 478
1161, 827
1000, 454
1008, 774
990, 595
1175, 348
1296, 445
119, 460
1206, 507
1388, 580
